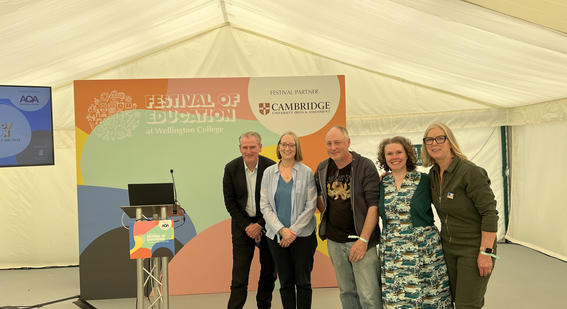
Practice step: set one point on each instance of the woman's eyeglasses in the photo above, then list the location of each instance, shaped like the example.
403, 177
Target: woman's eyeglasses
438, 139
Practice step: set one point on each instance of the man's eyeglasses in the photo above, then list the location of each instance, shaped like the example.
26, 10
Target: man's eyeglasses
282, 145
438, 139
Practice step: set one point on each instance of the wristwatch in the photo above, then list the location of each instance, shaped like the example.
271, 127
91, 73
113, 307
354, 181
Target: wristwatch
486, 250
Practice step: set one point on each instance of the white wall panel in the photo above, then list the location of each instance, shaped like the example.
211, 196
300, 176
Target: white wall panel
39, 205
538, 214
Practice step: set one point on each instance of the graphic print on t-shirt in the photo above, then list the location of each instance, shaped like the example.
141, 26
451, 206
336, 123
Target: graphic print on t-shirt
340, 222
339, 187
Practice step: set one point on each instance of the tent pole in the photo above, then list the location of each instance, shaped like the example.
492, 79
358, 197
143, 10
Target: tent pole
504, 138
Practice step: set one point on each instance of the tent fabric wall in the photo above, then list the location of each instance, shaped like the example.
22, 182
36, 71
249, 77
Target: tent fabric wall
538, 113
537, 218
40, 208
480, 118
481, 145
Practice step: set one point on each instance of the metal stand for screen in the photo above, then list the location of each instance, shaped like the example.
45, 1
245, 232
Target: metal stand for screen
157, 275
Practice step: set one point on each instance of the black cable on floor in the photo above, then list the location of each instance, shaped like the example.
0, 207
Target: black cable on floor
40, 305
83, 304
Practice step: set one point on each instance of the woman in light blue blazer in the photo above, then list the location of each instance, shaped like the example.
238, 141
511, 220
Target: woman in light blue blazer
288, 200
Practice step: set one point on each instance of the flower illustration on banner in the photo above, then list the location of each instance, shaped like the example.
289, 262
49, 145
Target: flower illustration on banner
125, 118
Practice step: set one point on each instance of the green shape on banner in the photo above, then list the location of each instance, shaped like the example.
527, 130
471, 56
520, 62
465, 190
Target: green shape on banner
124, 150
156, 235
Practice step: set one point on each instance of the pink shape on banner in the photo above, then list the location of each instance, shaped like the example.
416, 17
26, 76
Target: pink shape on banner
141, 253
140, 229
226, 92
204, 265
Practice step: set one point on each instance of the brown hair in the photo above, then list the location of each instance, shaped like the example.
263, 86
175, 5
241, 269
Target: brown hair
411, 153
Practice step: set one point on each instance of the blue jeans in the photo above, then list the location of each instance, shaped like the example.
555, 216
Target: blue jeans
359, 282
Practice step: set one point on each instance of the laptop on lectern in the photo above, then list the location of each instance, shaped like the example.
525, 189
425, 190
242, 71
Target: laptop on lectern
151, 193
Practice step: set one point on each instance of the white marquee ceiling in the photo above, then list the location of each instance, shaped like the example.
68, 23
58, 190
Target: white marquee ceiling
454, 47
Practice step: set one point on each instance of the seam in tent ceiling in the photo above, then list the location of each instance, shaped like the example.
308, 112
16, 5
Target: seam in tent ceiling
222, 4
228, 24
561, 100
493, 8
366, 69
149, 53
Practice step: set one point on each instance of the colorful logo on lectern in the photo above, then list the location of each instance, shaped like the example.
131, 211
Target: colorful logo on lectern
151, 239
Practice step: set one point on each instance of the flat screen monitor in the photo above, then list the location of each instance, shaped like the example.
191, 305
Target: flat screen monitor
26, 126
150, 193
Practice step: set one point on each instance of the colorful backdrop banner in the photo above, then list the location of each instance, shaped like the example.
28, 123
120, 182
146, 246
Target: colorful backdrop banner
136, 131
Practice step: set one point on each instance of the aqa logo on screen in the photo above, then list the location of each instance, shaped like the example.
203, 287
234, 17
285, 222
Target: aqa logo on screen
29, 100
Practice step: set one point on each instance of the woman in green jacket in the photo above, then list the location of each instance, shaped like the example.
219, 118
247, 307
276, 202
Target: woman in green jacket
466, 206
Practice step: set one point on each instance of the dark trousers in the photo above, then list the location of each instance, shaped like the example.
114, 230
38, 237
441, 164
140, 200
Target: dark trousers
294, 265
242, 254
467, 286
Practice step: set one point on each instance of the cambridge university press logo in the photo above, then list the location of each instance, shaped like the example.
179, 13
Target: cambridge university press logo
264, 108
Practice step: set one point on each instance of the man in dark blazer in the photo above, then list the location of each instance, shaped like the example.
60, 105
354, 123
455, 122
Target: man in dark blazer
241, 188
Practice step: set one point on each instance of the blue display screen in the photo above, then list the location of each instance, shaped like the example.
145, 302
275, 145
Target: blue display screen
26, 126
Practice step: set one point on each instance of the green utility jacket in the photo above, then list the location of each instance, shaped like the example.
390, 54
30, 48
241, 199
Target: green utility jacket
464, 202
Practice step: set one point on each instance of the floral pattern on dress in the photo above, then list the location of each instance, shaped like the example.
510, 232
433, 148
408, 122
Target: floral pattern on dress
413, 270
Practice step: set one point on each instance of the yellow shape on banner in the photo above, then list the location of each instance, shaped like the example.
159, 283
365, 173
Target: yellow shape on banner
138, 242
321, 245
270, 152
81, 138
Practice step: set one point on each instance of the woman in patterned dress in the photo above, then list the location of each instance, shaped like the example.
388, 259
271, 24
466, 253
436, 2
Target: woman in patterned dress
413, 270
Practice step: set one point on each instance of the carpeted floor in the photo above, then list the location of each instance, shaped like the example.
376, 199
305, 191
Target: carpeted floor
523, 278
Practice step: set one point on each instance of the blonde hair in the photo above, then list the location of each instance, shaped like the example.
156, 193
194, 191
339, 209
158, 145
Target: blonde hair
298, 154
455, 149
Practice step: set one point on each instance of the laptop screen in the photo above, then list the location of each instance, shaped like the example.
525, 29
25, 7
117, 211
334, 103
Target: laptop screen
150, 193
